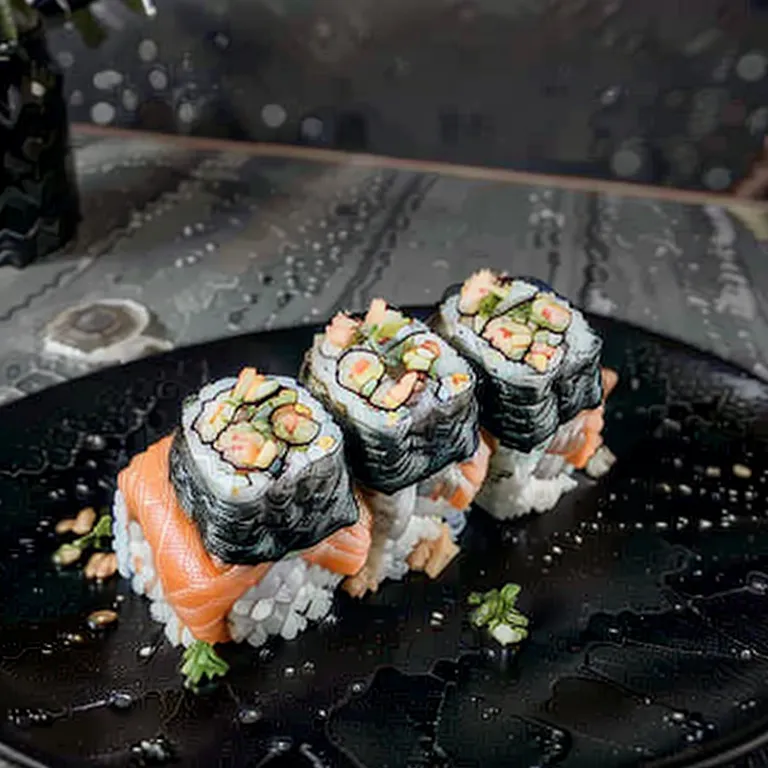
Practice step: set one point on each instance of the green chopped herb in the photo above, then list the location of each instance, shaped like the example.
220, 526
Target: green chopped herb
390, 329
201, 660
495, 610
488, 304
475, 598
521, 313
262, 426
70, 552
510, 592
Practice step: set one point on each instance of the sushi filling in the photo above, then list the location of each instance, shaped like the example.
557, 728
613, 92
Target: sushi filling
253, 425
515, 318
542, 388
260, 467
406, 403
403, 397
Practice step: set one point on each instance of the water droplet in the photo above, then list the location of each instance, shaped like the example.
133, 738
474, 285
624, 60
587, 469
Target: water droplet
357, 688
120, 700
26, 717
678, 717
249, 715
705, 525
280, 744
95, 442
155, 751
757, 583
746, 654
266, 654
742, 471
289, 672
322, 714
235, 319
273, 115
610, 95
308, 668
147, 651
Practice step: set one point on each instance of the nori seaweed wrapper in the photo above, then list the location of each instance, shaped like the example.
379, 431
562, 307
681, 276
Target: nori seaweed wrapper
303, 498
520, 406
385, 455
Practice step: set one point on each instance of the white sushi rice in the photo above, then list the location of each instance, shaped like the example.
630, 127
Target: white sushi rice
291, 594
450, 478
600, 464
394, 563
513, 489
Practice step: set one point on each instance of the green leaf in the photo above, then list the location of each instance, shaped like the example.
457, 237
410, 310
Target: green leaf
509, 593
103, 527
201, 660
516, 619
482, 615
475, 598
496, 603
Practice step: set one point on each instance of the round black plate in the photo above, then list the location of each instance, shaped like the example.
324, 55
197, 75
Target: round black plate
647, 594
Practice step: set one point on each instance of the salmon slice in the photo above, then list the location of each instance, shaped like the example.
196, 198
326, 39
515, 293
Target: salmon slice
587, 436
346, 550
476, 468
199, 588
465, 484
587, 441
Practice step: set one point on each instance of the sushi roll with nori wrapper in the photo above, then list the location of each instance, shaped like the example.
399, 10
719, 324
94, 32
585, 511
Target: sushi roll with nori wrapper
406, 403
259, 464
243, 523
541, 386
404, 398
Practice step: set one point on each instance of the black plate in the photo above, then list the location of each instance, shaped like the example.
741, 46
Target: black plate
647, 594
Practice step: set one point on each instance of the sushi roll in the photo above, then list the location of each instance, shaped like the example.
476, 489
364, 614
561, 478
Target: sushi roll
242, 523
541, 388
406, 403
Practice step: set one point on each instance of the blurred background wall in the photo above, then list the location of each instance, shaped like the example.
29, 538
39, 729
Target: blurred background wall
668, 92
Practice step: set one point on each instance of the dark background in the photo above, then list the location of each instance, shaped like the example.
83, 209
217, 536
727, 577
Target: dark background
669, 92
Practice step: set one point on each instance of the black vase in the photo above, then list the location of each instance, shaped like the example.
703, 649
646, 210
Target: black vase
39, 209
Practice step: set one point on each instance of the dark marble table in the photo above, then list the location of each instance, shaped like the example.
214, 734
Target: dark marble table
201, 244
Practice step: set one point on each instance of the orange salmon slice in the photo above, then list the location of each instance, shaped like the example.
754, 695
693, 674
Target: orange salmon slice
199, 588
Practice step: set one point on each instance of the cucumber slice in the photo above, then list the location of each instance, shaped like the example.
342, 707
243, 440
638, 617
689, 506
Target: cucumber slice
262, 391
292, 427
